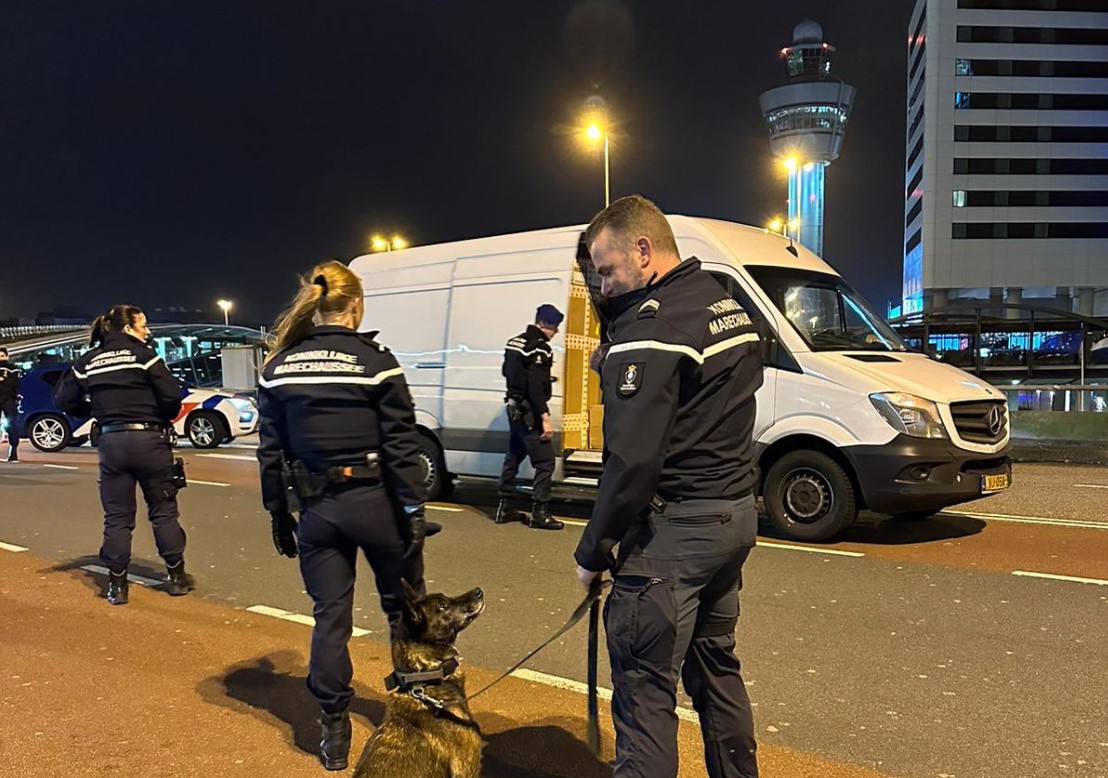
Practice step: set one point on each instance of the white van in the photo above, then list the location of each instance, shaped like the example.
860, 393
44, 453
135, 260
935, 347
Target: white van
847, 419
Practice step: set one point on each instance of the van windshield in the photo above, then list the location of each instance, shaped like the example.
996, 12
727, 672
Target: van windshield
827, 313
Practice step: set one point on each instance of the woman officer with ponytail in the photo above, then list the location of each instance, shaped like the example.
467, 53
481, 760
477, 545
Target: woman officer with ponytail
337, 426
134, 400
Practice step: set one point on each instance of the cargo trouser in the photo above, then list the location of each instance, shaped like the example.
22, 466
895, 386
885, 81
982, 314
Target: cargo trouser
526, 442
331, 530
672, 612
144, 457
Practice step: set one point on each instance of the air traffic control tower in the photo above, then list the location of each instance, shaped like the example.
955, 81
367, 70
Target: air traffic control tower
806, 118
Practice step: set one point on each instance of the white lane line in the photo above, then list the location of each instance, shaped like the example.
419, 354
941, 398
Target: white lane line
1091, 486
61, 467
130, 577
278, 613
602, 693
13, 549
229, 456
444, 508
1070, 578
833, 551
1032, 520
207, 483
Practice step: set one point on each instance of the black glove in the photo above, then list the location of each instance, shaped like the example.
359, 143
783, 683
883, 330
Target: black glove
284, 533
418, 531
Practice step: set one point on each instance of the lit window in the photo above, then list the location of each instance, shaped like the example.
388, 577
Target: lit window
961, 99
959, 198
963, 67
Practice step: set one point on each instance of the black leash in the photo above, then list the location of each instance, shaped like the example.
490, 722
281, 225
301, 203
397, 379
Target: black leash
590, 603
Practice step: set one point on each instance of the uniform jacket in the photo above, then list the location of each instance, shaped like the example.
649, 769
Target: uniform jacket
9, 382
127, 381
329, 401
679, 380
527, 362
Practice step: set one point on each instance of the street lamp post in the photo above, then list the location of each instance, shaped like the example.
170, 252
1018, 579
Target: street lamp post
226, 306
596, 133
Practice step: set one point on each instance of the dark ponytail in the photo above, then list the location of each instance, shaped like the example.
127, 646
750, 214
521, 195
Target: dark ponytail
115, 320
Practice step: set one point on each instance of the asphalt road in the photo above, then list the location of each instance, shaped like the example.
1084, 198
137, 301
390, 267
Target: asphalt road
919, 649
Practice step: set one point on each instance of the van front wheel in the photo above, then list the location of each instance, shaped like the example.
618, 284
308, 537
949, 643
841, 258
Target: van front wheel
435, 478
808, 496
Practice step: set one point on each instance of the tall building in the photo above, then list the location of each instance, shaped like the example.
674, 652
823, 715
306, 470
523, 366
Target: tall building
1006, 175
806, 118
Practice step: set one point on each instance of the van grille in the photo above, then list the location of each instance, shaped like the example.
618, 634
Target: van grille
977, 421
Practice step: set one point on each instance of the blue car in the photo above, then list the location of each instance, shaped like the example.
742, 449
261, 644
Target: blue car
208, 418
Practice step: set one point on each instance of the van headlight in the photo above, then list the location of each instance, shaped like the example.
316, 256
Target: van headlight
909, 414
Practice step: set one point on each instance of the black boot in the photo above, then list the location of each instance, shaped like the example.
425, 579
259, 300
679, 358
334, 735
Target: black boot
13, 452
541, 518
117, 588
505, 513
334, 748
177, 581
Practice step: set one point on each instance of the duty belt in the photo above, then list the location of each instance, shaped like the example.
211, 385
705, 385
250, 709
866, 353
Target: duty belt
130, 427
308, 484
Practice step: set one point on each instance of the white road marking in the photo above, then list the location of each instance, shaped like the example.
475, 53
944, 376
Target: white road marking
602, 693
130, 577
1070, 578
207, 483
61, 467
833, 551
444, 508
1091, 486
1032, 520
238, 457
13, 549
277, 613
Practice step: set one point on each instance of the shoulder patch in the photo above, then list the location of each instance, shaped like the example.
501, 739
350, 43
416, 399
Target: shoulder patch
630, 378
649, 309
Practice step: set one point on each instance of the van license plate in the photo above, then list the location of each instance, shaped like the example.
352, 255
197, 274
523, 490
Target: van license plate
995, 483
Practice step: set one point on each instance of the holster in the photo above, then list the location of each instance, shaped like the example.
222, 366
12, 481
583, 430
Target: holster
307, 485
520, 410
179, 479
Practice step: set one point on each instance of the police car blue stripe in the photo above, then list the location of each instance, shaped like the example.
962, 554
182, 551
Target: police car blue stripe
211, 402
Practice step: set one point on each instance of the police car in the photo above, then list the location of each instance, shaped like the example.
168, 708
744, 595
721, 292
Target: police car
208, 418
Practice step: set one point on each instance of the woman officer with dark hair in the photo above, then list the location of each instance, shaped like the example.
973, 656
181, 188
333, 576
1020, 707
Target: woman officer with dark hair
337, 423
134, 400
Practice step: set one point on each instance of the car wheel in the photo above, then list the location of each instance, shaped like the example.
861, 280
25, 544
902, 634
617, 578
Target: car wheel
49, 433
808, 496
436, 480
205, 429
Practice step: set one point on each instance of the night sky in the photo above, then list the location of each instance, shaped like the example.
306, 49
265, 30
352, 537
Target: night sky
172, 153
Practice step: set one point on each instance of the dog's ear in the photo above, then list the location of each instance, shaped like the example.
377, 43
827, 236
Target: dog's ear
410, 594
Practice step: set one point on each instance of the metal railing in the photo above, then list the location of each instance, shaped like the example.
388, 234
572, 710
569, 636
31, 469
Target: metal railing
1060, 397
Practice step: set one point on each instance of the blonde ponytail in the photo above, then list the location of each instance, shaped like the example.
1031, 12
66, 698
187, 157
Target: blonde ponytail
327, 289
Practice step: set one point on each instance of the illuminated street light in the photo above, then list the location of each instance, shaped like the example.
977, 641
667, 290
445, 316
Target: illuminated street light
596, 129
776, 225
386, 244
226, 305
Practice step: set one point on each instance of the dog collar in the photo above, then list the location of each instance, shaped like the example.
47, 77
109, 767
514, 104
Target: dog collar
407, 681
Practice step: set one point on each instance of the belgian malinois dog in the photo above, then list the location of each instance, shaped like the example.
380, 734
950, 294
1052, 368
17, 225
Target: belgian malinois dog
428, 731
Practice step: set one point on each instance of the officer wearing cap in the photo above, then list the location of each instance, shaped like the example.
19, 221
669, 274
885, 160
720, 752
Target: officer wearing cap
337, 429
527, 362
135, 400
676, 496
9, 402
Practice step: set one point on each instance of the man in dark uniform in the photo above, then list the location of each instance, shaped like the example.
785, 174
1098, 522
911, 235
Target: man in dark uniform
9, 403
676, 495
527, 362
135, 400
